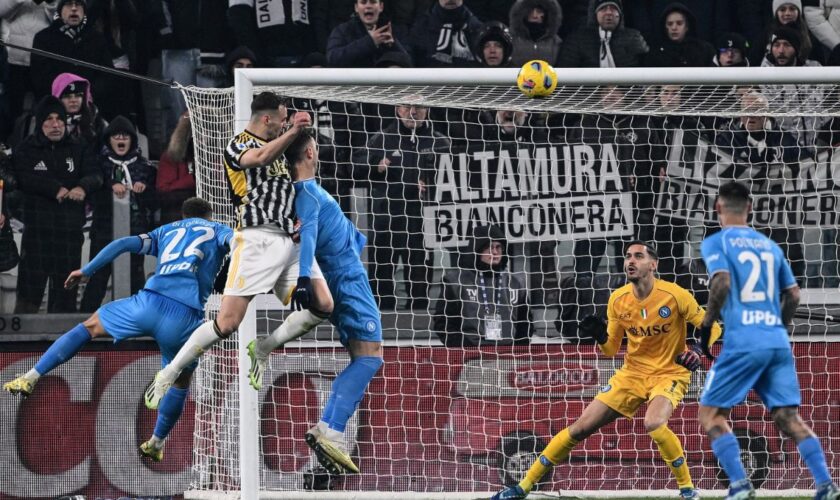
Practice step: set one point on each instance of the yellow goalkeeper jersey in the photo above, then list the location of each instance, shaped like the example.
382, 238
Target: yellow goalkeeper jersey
655, 327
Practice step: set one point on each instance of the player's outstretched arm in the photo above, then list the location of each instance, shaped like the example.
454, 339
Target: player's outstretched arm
133, 244
789, 302
718, 292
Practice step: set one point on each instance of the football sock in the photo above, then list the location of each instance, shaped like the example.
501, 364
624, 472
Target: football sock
557, 450
728, 453
811, 452
169, 411
672, 452
348, 389
60, 351
200, 340
295, 325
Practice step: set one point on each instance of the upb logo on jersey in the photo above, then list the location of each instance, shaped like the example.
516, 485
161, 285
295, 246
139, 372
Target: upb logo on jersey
664, 312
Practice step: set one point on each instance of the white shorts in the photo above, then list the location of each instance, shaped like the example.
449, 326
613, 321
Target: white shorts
263, 259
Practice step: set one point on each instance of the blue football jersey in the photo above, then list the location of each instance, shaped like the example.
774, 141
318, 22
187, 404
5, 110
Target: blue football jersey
190, 253
759, 272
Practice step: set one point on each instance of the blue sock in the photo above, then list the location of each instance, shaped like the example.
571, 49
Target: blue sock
348, 389
728, 454
169, 411
63, 349
811, 452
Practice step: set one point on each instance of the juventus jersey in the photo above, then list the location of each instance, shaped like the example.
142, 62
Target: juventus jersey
261, 195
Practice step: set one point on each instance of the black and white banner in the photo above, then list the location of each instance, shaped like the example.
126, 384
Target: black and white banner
535, 193
784, 194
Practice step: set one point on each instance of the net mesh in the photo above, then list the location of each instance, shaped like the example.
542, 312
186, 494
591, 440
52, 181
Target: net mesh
568, 180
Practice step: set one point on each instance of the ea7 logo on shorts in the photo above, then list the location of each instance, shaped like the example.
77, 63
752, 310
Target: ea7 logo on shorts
371, 326
664, 312
606, 388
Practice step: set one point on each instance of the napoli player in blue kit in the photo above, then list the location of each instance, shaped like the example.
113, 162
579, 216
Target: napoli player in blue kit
328, 235
170, 306
752, 285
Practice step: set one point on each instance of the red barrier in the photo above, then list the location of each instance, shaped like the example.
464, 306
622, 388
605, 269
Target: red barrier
435, 419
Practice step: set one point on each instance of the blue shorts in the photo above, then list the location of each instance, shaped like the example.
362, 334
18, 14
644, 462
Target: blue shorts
771, 372
149, 314
355, 314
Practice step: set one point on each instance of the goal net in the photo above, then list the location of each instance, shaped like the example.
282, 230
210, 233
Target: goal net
468, 396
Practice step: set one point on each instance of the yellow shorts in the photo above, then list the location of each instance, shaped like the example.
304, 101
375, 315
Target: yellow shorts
626, 391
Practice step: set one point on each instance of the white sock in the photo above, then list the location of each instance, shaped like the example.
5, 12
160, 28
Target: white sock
335, 436
297, 324
32, 376
201, 339
157, 442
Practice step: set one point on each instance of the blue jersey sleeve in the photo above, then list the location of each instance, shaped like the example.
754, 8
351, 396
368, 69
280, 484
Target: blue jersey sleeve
786, 278
308, 211
133, 244
714, 256
223, 236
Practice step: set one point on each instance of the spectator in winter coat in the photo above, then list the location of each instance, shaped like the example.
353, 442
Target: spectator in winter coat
604, 42
400, 161
70, 35
442, 36
175, 176
823, 19
787, 14
21, 19
786, 50
359, 42
482, 303
677, 44
55, 173
240, 57
732, 50
534, 25
494, 45
126, 173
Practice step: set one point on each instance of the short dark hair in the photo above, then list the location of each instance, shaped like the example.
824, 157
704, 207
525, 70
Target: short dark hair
735, 196
650, 247
267, 101
196, 207
294, 153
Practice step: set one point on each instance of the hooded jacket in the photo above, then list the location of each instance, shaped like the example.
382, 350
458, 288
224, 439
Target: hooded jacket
582, 48
461, 313
443, 38
690, 52
87, 125
546, 46
43, 167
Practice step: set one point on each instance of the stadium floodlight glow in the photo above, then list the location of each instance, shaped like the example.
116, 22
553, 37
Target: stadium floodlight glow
447, 423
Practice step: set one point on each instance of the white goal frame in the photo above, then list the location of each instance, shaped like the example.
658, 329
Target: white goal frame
246, 80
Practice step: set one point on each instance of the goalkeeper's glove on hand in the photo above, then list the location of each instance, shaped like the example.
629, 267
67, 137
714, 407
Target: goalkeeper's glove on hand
301, 297
593, 327
690, 358
705, 338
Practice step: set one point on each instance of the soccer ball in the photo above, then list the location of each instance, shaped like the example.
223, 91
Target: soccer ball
536, 79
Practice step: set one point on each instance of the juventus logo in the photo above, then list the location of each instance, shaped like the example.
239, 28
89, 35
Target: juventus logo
70, 165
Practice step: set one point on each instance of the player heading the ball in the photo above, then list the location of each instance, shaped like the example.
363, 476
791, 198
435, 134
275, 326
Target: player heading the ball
657, 368
753, 286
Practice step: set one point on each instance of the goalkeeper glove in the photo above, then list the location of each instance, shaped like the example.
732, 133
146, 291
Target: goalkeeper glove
593, 327
705, 338
301, 297
690, 358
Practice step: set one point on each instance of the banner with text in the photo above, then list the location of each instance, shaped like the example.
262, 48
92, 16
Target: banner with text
795, 190
536, 192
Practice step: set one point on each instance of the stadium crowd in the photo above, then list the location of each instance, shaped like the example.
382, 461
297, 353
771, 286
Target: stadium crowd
77, 138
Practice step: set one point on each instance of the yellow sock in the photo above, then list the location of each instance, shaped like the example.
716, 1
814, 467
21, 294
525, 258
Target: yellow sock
672, 452
556, 451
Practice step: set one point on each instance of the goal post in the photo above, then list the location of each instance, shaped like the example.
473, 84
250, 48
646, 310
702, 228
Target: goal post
611, 155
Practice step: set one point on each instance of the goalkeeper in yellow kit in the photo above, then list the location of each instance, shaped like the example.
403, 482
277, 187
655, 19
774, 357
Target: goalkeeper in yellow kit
657, 367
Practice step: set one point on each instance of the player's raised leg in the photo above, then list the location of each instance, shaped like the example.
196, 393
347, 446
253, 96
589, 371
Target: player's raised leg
62, 350
596, 415
296, 324
169, 412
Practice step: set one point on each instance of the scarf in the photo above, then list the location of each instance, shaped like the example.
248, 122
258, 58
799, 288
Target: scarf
72, 31
606, 55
